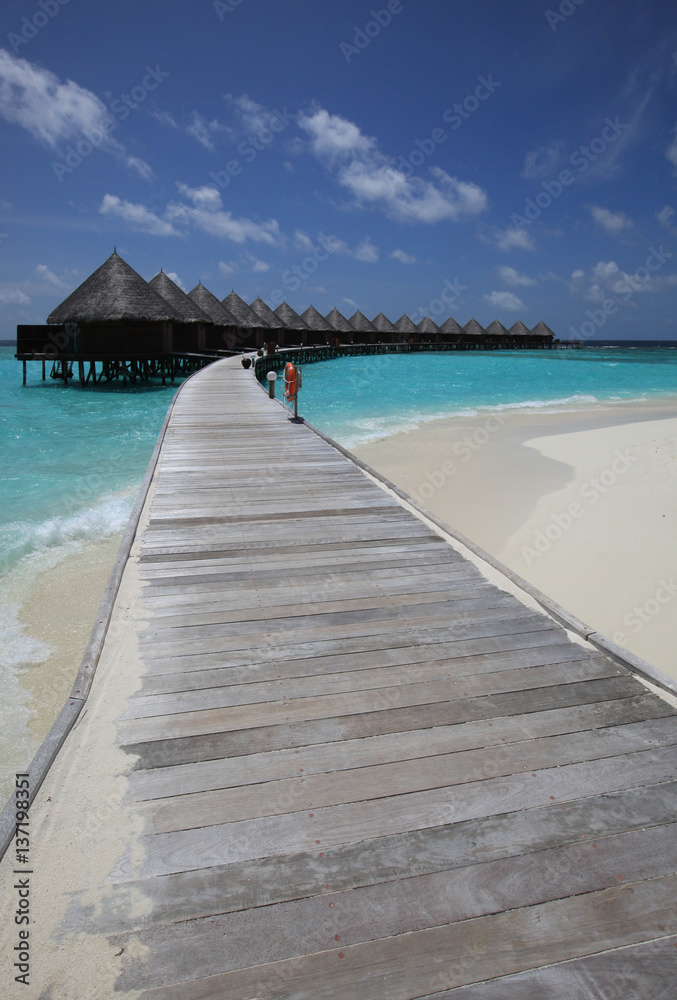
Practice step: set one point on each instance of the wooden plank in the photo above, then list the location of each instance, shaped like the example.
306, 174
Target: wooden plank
297, 830
245, 715
270, 934
327, 757
202, 808
638, 972
403, 966
181, 750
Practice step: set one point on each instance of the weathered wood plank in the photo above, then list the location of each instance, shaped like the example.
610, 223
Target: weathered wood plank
464, 952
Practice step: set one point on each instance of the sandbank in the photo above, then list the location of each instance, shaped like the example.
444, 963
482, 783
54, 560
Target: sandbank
582, 503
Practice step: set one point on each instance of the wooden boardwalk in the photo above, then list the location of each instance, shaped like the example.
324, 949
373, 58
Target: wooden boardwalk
352, 766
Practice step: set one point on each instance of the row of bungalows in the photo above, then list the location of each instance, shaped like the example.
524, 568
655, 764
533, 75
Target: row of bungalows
116, 314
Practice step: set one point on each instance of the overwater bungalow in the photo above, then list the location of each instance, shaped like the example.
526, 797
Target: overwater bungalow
319, 328
363, 327
222, 336
451, 332
474, 333
543, 332
429, 330
342, 327
276, 325
252, 328
387, 332
292, 322
498, 334
406, 329
190, 334
520, 335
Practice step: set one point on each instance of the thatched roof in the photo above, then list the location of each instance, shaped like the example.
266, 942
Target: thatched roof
338, 322
405, 325
315, 320
518, 329
113, 293
265, 312
427, 325
496, 329
473, 328
211, 305
184, 306
383, 324
542, 330
359, 322
246, 317
290, 317
451, 326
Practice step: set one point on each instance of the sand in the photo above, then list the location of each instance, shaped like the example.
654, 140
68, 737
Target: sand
583, 504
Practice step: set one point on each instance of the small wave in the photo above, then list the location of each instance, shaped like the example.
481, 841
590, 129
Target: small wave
48, 541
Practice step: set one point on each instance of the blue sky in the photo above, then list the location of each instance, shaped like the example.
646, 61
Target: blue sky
484, 158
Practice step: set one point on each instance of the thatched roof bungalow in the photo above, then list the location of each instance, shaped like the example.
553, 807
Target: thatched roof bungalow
115, 310
386, 330
223, 334
252, 327
451, 332
473, 331
406, 328
292, 321
190, 333
361, 325
317, 325
520, 333
429, 329
497, 332
338, 322
543, 331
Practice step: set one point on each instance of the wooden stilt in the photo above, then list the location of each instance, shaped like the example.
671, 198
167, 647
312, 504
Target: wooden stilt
24, 364
43, 369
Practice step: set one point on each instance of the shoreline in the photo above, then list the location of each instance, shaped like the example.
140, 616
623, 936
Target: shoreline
582, 503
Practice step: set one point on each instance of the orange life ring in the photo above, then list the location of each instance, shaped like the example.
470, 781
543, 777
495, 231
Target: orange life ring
289, 380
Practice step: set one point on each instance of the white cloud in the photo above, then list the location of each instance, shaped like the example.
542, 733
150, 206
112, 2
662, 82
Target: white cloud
35, 99
513, 278
207, 215
256, 264
505, 300
303, 241
173, 276
665, 217
206, 132
14, 297
540, 162
404, 258
607, 280
511, 239
142, 168
227, 267
351, 302
251, 116
671, 151
44, 272
138, 216
371, 177
366, 251
613, 223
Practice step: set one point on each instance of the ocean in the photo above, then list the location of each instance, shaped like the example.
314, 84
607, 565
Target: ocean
73, 460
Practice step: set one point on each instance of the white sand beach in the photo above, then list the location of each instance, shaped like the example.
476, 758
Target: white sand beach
581, 503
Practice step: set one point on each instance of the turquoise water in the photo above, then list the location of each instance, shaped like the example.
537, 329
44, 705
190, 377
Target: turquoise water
357, 400
72, 461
